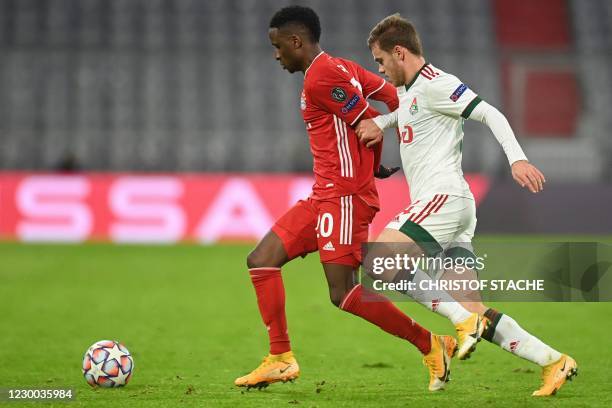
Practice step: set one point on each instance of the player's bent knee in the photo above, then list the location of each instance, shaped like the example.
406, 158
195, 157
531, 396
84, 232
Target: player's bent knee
337, 296
262, 259
269, 252
259, 258
336, 300
254, 260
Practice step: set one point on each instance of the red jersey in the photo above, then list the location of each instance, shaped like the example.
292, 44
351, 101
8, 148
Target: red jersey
333, 100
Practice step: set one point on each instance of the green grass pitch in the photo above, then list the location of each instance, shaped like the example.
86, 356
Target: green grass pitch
188, 315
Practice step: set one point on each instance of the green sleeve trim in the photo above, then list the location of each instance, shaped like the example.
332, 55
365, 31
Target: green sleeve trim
422, 238
468, 109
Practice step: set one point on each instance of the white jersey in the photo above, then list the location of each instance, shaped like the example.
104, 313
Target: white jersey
432, 109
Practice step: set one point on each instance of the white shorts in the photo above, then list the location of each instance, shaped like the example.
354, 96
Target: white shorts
438, 222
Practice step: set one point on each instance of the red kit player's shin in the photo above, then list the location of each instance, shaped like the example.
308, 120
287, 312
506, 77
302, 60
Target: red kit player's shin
378, 310
268, 283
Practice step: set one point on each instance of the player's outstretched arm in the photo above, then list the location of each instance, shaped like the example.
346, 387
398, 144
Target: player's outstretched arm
524, 173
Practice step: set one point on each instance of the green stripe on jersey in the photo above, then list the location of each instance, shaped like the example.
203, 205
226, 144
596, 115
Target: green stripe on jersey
421, 237
468, 109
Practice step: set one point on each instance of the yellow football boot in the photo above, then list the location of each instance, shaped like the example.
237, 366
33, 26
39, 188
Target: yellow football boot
554, 375
274, 368
438, 360
469, 332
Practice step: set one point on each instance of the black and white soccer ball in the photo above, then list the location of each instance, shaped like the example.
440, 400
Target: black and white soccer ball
107, 364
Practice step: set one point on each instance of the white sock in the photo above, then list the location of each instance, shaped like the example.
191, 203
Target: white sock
513, 338
438, 301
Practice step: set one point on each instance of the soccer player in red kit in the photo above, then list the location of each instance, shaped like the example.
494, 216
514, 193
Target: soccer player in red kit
334, 220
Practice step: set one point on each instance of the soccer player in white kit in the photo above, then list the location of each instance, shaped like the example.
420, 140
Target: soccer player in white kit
442, 215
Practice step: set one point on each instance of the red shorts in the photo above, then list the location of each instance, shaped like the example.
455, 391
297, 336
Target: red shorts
336, 227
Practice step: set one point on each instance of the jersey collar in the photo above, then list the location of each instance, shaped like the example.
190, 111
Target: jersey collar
416, 76
313, 61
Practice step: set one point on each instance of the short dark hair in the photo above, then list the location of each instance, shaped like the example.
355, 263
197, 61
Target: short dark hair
304, 16
395, 30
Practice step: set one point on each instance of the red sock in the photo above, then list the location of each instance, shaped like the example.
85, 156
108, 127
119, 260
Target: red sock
378, 310
268, 283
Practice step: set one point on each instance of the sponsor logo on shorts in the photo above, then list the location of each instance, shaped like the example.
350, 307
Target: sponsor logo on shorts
329, 247
458, 92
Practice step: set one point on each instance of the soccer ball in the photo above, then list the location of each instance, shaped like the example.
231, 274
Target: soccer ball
107, 364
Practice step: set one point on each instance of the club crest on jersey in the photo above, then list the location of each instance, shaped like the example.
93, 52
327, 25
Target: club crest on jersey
338, 94
303, 101
414, 107
458, 92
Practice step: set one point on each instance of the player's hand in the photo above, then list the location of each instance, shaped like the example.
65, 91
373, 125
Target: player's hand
383, 172
528, 176
369, 133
